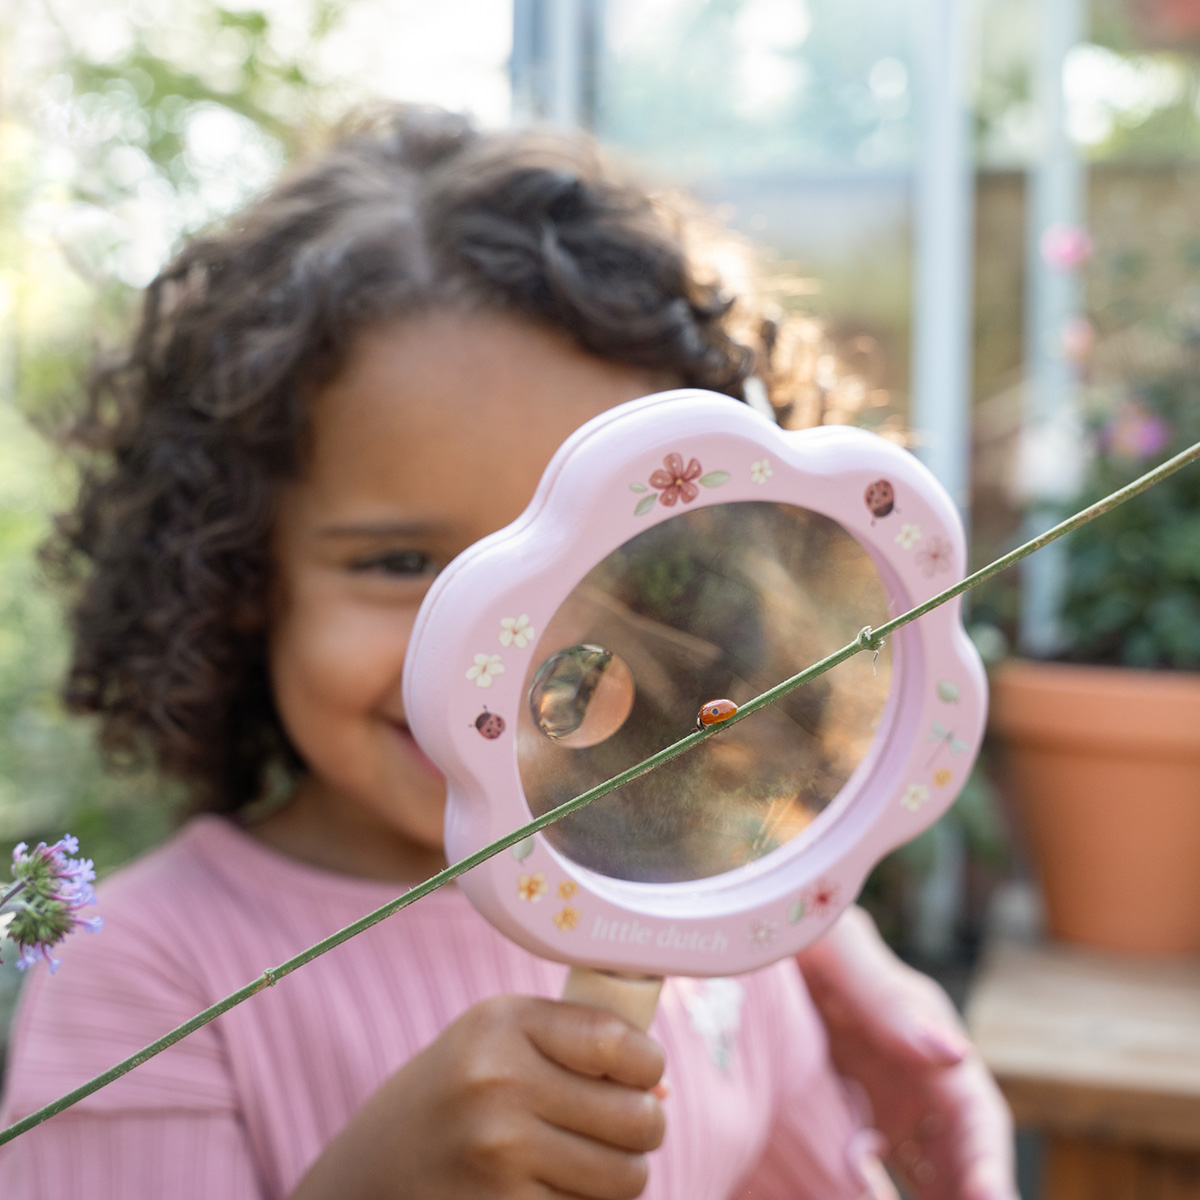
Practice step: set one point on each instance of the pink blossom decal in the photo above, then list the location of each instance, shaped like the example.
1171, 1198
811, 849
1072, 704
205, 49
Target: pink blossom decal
937, 556
676, 483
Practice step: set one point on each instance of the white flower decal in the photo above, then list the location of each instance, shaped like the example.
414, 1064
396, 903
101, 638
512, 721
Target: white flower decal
485, 667
908, 536
516, 631
760, 471
763, 932
916, 795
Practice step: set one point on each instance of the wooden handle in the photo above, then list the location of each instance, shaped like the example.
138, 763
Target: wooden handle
633, 997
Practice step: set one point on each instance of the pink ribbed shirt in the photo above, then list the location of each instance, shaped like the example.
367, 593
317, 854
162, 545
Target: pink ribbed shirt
240, 1109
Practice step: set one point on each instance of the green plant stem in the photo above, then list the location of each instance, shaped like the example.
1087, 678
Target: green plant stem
868, 639
12, 892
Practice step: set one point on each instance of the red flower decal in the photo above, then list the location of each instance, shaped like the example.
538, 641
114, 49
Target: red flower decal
821, 897
675, 483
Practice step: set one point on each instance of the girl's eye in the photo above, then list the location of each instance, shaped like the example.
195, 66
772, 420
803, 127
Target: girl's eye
408, 564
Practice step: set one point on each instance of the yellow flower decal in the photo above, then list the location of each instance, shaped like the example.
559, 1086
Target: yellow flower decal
567, 919
942, 776
532, 887
567, 889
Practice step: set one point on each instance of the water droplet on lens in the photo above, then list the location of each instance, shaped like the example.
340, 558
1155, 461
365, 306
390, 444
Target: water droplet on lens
581, 695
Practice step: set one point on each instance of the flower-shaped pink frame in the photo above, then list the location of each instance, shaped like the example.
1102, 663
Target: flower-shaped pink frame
638, 464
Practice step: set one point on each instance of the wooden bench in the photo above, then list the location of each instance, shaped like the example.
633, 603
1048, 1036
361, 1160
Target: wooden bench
1102, 1054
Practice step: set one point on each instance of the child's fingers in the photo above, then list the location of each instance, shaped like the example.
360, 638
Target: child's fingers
623, 1117
593, 1042
579, 1166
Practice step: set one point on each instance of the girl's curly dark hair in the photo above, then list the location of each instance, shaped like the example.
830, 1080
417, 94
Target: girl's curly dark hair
195, 429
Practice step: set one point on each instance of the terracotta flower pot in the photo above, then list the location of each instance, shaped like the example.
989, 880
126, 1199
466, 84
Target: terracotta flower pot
1166, 24
1104, 764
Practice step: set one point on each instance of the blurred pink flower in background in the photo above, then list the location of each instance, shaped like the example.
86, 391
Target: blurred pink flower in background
1078, 336
1135, 433
1065, 247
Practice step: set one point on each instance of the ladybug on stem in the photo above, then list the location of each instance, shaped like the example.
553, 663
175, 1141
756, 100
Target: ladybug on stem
714, 712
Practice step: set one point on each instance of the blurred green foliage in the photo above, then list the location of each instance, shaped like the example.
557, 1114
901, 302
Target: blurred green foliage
102, 171
49, 779
1133, 583
1160, 118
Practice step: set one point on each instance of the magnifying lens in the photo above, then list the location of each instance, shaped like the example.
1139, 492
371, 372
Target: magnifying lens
682, 550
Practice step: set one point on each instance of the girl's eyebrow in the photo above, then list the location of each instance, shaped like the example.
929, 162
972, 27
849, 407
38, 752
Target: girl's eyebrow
379, 529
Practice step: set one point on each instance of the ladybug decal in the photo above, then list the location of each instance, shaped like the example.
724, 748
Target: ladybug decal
880, 498
714, 712
490, 724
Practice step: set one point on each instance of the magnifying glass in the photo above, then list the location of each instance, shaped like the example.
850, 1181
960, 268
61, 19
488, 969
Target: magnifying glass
681, 555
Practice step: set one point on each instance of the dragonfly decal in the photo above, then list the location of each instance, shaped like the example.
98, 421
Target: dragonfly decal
944, 737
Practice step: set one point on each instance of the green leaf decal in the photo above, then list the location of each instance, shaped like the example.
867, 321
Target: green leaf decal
796, 912
644, 505
714, 478
637, 487
523, 849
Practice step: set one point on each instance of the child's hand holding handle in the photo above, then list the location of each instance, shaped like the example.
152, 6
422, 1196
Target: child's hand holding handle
519, 1098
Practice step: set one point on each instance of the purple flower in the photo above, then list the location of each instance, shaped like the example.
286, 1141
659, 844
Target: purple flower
1135, 433
49, 890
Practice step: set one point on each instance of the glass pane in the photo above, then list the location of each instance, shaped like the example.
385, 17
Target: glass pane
720, 602
794, 121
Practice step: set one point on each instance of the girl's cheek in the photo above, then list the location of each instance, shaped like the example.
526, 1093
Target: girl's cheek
345, 650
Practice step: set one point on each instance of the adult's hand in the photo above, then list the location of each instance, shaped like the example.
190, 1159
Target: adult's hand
895, 1032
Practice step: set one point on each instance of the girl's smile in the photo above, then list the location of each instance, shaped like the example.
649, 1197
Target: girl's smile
434, 434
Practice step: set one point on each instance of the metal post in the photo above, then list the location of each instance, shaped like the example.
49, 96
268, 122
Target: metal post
525, 65
1055, 197
566, 37
943, 220
554, 61
943, 223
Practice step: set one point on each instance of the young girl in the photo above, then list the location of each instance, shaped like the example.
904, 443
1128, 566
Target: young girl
362, 375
